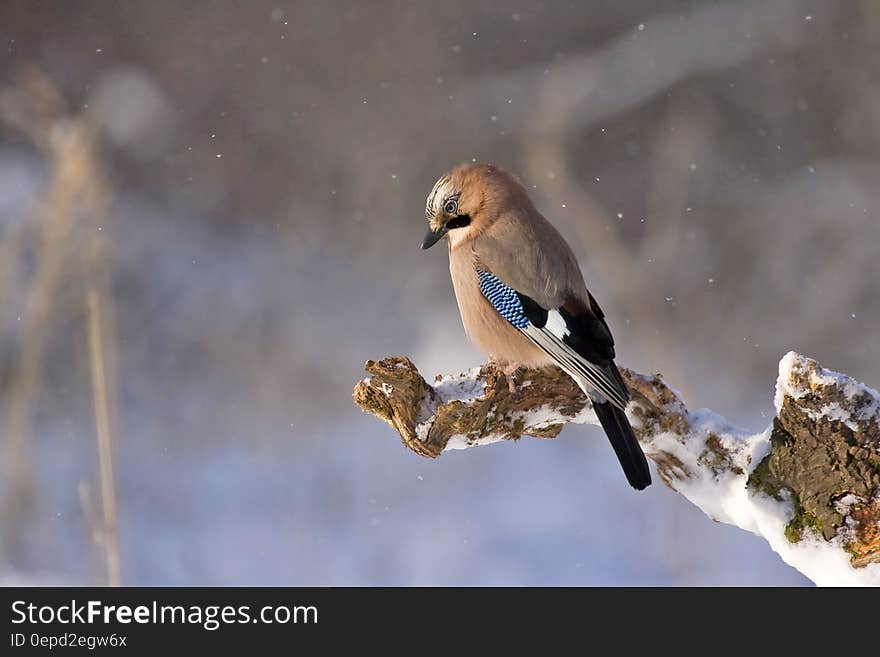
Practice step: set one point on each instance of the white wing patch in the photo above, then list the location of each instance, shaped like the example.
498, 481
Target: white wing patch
556, 324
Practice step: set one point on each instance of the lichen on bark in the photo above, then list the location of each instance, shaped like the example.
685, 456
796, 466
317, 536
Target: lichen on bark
824, 446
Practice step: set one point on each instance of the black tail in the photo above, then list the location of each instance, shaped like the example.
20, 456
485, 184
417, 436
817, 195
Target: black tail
625, 445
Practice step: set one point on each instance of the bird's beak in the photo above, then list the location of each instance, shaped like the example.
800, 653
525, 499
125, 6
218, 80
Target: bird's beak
434, 236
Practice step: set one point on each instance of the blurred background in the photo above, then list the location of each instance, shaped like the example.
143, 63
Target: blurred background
209, 219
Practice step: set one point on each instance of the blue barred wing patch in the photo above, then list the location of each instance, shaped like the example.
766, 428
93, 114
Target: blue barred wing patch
503, 298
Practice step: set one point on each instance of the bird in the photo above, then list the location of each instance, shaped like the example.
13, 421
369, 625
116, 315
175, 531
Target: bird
522, 297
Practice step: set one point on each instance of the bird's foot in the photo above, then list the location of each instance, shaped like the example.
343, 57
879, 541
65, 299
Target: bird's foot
510, 370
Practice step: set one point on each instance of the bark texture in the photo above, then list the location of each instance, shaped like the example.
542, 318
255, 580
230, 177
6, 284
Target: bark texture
824, 446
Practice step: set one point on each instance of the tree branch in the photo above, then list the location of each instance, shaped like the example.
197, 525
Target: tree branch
809, 484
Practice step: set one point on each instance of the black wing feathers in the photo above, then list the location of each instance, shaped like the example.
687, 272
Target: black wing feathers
589, 336
534, 313
588, 332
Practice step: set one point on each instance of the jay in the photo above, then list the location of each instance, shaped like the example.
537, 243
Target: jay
522, 296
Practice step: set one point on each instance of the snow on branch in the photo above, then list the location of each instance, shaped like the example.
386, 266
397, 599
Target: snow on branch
809, 484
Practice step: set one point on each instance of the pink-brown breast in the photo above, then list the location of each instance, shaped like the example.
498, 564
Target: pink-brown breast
484, 326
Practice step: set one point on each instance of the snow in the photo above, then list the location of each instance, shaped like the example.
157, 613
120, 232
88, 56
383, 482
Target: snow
789, 368
540, 418
460, 387
721, 492
844, 504
727, 499
462, 442
422, 429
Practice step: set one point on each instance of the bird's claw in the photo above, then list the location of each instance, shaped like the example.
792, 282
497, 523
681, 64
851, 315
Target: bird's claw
510, 371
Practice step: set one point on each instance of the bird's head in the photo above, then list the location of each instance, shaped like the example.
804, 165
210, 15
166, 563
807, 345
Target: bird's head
467, 200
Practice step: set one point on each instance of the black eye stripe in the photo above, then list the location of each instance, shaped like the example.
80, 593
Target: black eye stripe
460, 221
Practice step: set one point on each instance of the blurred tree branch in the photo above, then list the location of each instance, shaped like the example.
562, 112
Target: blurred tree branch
819, 463
68, 223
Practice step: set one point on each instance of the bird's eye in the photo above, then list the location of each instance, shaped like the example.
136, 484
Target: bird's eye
451, 206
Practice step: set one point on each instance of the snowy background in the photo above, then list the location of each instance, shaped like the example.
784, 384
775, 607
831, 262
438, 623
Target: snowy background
714, 165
